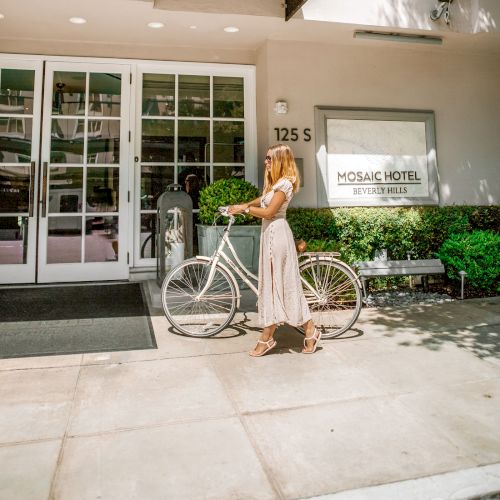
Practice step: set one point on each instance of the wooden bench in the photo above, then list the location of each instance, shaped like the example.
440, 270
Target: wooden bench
383, 268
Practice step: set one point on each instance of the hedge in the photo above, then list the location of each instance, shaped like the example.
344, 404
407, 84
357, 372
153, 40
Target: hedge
358, 232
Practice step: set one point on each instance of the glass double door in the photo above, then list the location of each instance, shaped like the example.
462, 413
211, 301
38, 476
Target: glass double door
63, 171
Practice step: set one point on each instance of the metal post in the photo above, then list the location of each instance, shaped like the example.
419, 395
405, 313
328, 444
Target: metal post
463, 274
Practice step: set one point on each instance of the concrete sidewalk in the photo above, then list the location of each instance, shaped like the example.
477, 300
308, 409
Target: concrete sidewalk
409, 393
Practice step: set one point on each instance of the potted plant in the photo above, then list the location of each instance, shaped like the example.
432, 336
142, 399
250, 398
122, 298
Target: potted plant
245, 234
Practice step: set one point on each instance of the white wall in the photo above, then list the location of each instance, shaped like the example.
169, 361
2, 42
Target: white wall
462, 90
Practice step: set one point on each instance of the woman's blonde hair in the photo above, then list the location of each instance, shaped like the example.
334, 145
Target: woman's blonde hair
283, 166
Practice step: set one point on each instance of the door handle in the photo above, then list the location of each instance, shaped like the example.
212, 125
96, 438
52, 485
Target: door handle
44, 189
31, 200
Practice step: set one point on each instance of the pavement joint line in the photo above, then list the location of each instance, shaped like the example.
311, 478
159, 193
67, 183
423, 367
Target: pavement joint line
60, 455
260, 456
29, 441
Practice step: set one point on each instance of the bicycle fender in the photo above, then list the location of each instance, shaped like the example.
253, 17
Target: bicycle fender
229, 273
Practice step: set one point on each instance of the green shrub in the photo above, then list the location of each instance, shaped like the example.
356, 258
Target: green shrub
478, 254
418, 231
226, 192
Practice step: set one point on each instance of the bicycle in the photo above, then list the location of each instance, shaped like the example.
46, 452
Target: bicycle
201, 295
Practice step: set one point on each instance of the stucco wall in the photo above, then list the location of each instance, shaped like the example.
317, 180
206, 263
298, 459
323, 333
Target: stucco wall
462, 90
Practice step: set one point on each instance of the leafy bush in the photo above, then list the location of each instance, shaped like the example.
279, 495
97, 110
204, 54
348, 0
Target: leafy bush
478, 254
419, 231
226, 192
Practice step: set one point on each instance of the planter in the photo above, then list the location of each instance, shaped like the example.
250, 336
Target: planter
245, 239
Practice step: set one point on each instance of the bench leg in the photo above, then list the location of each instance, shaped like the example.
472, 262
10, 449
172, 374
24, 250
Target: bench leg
364, 283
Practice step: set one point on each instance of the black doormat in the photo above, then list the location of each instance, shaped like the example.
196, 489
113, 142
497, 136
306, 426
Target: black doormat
44, 321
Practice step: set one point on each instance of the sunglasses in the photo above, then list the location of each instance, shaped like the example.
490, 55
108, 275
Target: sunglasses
268, 158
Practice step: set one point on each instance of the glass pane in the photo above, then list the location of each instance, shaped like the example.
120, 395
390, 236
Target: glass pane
194, 95
227, 172
154, 181
105, 94
157, 140
158, 95
64, 243
15, 140
13, 240
68, 93
193, 179
193, 140
229, 142
102, 189
148, 235
228, 97
17, 91
101, 239
66, 144
14, 189
103, 141
65, 189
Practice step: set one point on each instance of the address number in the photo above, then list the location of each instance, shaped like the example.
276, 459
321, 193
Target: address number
292, 134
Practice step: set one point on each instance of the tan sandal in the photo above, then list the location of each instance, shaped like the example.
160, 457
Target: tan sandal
270, 344
315, 336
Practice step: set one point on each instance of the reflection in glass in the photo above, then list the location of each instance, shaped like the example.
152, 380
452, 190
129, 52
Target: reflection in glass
193, 139
65, 189
158, 95
15, 140
229, 142
102, 189
64, 242
194, 95
227, 172
157, 140
13, 240
66, 144
154, 181
147, 236
14, 189
101, 239
228, 97
193, 180
103, 141
105, 94
68, 93
17, 91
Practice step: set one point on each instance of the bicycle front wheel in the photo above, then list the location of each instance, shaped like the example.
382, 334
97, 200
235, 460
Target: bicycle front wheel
333, 295
188, 312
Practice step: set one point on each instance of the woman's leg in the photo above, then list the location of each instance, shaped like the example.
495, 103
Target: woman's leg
311, 336
265, 336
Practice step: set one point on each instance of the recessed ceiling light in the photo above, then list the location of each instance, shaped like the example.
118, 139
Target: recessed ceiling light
156, 25
193, 27
231, 29
77, 20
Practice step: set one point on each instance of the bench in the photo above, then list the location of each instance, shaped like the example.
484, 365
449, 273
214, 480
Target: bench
383, 268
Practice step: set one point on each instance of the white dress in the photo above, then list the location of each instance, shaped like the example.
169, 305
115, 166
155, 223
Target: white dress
281, 298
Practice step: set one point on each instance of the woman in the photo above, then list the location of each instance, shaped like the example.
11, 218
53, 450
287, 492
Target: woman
281, 299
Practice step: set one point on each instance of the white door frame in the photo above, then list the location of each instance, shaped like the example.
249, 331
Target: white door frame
90, 271
26, 273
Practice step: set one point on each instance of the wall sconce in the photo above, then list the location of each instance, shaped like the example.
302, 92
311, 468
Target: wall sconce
281, 107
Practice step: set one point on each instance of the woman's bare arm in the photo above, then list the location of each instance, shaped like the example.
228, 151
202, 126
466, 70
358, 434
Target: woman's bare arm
264, 213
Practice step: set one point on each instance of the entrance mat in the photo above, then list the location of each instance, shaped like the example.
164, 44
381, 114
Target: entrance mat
49, 320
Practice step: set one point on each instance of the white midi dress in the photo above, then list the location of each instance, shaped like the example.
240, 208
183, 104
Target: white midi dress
281, 298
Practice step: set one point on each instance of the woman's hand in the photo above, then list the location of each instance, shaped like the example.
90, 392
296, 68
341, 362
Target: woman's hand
237, 209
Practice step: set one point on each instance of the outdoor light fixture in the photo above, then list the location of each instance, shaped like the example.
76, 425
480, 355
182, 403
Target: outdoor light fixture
443, 9
77, 20
281, 107
156, 25
398, 37
231, 29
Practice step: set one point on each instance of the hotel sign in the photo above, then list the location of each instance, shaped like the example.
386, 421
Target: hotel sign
375, 158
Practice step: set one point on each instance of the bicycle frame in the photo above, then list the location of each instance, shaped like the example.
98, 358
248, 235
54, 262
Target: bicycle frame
241, 271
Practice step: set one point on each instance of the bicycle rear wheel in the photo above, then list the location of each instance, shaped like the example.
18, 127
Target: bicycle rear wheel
198, 316
338, 304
